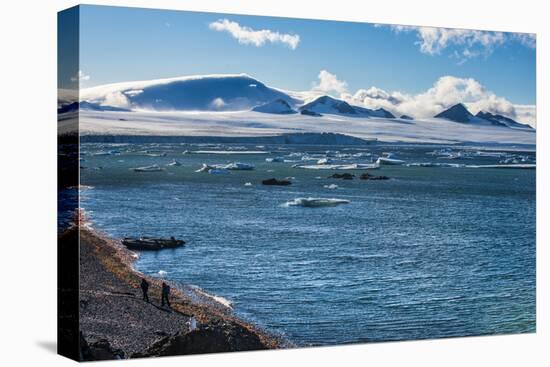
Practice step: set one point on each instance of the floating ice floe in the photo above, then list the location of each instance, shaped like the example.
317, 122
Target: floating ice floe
324, 161
162, 273
389, 161
352, 166
431, 164
236, 166
174, 163
153, 168
316, 202
248, 184
230, 152
331, 186
275, 160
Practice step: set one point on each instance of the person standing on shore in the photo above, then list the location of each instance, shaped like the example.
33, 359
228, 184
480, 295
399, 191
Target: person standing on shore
165, 294
145, 289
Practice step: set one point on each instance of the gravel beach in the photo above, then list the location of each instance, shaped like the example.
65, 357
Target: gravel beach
115, 323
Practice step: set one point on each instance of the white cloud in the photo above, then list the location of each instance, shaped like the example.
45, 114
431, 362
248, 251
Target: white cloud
249, 36
468, 43
526, 39
116, 99
80, 77
527, 114
445, 92
329, 82
217, 103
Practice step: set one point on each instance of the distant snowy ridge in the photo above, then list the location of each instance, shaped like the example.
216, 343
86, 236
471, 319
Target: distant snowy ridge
330, 105
229, 93
224, 92
459, 113
278, 106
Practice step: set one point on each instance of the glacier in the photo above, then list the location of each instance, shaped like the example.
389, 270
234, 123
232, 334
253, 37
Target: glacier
238, 108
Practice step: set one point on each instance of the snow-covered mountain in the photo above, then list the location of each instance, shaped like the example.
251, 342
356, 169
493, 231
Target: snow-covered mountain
244, 106
278, 106
457, 113
329, 105
196, 93
500, 120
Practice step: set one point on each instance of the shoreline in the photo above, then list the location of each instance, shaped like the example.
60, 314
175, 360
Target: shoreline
115, 323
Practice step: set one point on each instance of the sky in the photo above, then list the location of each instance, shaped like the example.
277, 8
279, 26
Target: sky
366, 63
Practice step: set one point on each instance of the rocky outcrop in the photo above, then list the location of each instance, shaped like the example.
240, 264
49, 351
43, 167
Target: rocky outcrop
457, 113
98, 350
116, 323
344, 176
276, 182
208, 339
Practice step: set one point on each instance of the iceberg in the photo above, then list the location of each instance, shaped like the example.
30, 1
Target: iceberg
389, 161
229, 152
153, 168
174, 163
235, 166
352, 166
316, 202
431, 164
324, 161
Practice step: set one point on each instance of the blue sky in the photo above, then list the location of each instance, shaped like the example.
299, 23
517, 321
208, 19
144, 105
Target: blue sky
123, 44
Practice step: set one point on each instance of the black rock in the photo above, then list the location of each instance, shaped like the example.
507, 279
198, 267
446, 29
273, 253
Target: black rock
275, 182
344, 176
406, 117
368, 176
98, 350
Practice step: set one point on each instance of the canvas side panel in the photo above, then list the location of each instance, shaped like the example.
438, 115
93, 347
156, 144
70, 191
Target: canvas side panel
67, 186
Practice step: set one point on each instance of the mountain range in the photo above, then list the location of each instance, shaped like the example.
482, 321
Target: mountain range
238, 92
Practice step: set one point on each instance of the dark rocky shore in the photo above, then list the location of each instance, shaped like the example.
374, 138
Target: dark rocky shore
115, 322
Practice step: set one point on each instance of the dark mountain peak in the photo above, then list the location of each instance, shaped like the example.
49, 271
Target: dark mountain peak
406, 117
501, 120
329, 103
278, 106
458, 113
385, 113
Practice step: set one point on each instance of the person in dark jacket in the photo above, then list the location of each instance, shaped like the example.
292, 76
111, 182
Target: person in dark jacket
165, 294
145, 289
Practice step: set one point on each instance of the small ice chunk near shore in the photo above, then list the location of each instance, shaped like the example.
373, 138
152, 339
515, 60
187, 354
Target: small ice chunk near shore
235, 166
162, 273
316, 202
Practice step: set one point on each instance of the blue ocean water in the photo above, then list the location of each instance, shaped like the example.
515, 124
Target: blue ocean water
432, 252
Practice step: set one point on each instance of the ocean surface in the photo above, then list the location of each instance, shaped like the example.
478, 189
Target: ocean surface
437, 251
